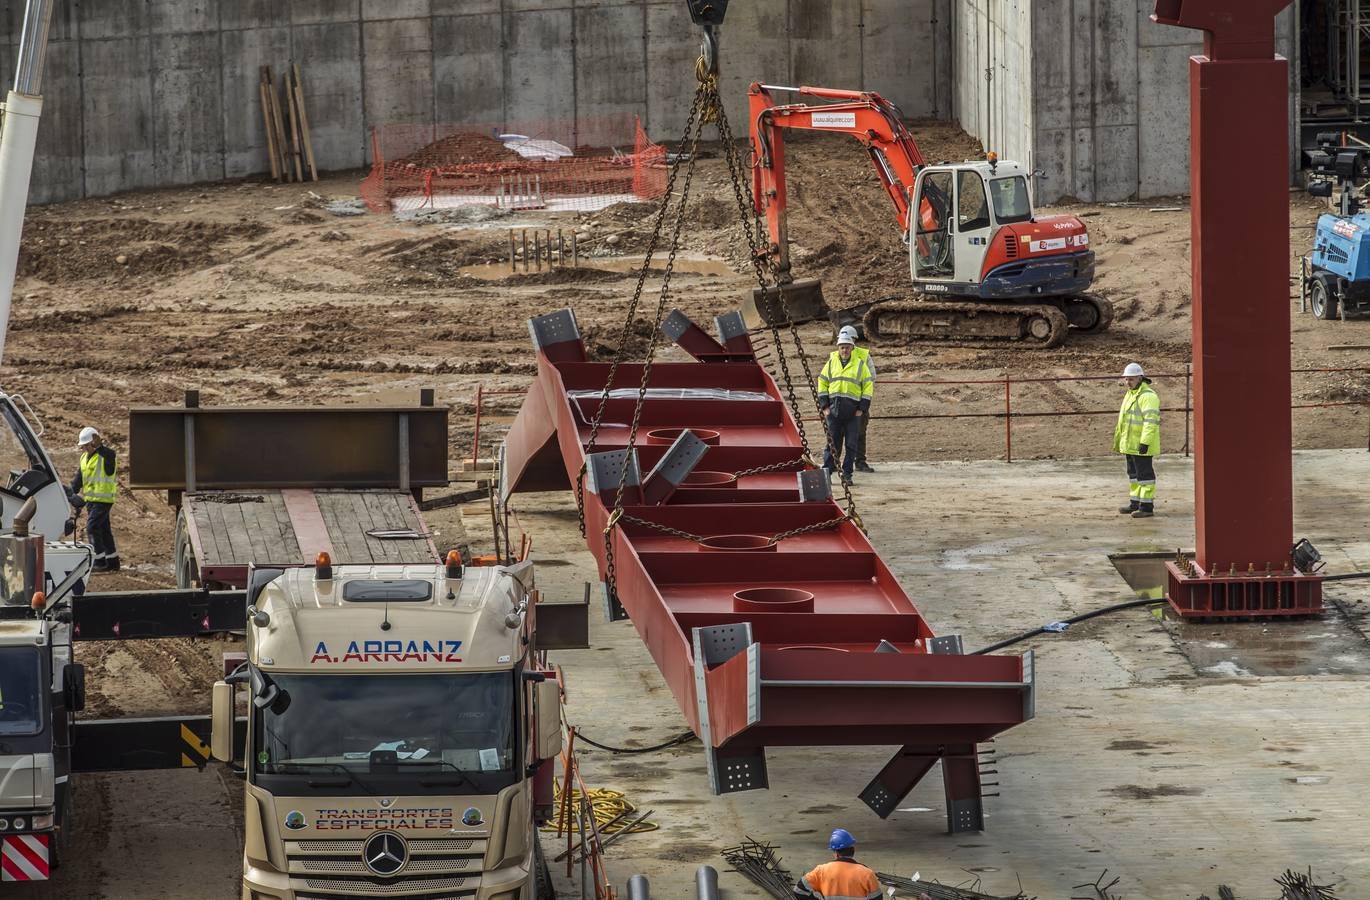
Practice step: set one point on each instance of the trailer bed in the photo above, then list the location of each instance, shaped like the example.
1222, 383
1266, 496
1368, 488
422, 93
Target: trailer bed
227, 530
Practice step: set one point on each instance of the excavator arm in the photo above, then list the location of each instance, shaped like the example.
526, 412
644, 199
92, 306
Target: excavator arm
865, 115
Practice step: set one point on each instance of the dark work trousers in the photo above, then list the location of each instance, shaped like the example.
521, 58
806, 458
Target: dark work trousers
1141, 474
100, 534
844, 430
861, 439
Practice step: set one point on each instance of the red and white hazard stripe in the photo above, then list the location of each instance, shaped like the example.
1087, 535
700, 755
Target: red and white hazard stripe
24, 857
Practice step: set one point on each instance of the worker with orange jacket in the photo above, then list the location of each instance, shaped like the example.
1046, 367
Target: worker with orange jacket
842, 879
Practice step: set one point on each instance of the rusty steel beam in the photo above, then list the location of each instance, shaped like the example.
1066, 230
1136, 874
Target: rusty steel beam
1239, 165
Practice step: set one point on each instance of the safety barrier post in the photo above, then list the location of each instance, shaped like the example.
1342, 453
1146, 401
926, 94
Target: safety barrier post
1188, 373
1008, 420
475, 441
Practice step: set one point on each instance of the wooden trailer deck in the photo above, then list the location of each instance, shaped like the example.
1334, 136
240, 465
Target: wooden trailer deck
227, 530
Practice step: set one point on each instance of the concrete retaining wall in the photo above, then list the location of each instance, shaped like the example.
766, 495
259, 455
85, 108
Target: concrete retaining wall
141, 93
993, 74
1107, 99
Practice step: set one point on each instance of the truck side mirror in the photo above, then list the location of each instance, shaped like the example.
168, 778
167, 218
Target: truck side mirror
74, 687
547, 739
221, 723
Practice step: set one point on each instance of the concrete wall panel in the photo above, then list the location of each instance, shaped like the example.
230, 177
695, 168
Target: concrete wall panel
672, 46
468, 69
395, 9
826, 44
58, 167
397, 70
106, 19
187, 113
170, 92
314, 12
117, 114
235, 14
540, 85
756, 48
1163, 114
244, 53
181, 16
610, 61
333, 92
915, 76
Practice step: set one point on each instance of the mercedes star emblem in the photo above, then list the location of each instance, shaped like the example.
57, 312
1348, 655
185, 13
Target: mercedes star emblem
385, 853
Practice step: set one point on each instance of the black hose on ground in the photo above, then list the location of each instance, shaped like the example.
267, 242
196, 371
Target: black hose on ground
1073, 620
664, 745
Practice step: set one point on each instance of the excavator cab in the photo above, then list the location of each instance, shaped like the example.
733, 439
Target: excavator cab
956, 213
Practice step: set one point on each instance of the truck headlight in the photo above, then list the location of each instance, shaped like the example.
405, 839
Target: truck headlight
41, 822
4, 824
18, 824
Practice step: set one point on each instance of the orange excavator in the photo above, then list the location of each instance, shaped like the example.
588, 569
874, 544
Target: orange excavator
991, 271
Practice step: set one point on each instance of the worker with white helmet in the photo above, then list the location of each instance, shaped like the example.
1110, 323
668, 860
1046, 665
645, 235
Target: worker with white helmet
96, 486
862, 465
1138, 437
845, 388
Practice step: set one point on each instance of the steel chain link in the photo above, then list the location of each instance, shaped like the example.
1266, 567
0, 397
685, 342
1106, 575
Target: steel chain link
742, 193
631, 314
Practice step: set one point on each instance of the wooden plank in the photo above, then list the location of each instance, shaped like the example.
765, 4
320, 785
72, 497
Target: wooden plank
266, 125
279, 126
261, 531
362, 522
382, 519
294, 129
342, 527
209, 543
304, 123
312, 534
290, 547
231, 536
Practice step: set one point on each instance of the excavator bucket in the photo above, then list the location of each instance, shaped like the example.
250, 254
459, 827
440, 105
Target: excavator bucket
803, 299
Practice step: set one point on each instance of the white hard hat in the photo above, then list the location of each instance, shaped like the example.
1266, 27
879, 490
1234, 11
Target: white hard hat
88, 434
1133, 370
847, 335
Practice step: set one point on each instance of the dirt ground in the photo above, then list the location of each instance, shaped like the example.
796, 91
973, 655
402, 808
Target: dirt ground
253, 293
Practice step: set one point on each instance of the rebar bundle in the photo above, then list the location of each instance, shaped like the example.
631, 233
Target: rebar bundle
759, 864
935, 891
1300, 886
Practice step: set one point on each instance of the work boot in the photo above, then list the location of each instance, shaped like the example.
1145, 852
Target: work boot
865, 467
846, 481
1129, 509
1143, 514
99, 566
112, 564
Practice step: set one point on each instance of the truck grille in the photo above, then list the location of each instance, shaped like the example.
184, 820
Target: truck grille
438, 869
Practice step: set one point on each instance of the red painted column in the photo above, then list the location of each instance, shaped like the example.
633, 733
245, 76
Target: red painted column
1239, 165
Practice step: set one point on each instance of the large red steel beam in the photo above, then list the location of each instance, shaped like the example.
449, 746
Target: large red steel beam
1239, 169
804, 641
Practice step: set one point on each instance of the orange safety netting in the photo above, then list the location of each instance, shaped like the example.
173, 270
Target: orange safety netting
582, 165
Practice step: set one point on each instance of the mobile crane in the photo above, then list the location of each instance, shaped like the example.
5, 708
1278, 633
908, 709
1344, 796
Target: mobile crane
972, 234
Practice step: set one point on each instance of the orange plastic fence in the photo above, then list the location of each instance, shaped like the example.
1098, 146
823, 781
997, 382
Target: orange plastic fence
584, 164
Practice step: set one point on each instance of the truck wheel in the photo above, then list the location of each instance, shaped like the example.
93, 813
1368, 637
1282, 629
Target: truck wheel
1321, 298
187, 568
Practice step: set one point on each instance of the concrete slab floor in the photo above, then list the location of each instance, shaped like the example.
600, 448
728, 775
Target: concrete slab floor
1141, 760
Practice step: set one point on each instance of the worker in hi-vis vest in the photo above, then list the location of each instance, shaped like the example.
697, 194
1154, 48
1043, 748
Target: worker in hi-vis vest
845, 388
842, 879
95, 485
1138, 437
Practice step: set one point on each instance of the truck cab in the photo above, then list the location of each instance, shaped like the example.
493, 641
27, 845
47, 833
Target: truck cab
398, 735
973, 233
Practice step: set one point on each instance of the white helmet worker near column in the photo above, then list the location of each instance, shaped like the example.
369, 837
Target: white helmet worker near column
1137, 436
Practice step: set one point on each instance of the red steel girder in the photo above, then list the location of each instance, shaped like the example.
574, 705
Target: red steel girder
762, 642
1239, 164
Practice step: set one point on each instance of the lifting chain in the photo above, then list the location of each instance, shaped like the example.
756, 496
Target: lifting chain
706, 106
742, 194
626, 333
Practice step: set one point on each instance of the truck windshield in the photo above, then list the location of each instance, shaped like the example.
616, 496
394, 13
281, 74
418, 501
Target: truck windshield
1011, 203
21, 701
427, 733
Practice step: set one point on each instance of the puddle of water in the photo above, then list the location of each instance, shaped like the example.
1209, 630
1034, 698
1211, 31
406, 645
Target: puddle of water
1325, 646
693, 265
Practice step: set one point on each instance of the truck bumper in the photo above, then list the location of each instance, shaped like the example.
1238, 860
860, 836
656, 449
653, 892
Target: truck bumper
1053, 276
515, 882
25, 857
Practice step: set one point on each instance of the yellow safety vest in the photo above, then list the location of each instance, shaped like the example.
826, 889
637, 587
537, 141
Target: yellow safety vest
852, 379
96, 486
1139, 422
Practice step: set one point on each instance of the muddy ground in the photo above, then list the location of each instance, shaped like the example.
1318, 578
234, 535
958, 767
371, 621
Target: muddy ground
253, 293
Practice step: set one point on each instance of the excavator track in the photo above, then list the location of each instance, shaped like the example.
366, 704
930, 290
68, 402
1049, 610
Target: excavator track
1087, 313
973, 324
